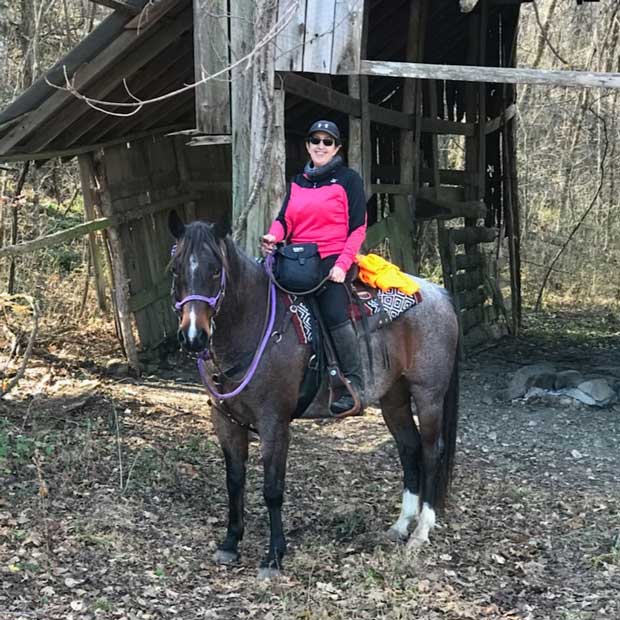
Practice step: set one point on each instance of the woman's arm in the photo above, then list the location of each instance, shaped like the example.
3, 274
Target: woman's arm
354, 188
278, 229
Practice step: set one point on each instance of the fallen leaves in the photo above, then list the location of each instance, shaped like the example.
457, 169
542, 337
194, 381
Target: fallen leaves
526, 534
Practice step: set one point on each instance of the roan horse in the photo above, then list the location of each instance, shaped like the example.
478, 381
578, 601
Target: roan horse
223, 296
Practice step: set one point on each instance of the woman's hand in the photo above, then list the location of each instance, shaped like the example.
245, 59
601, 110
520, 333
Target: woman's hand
267, 244
337, 274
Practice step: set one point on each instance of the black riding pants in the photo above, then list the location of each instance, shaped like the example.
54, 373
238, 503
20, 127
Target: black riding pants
333, 297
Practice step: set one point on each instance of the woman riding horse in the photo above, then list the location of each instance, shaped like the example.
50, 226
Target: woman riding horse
325, 204
230, 314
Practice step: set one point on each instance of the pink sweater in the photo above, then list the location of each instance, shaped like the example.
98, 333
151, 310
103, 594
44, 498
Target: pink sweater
330, 212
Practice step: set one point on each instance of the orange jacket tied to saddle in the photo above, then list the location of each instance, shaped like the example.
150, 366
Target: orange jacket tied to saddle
379, 273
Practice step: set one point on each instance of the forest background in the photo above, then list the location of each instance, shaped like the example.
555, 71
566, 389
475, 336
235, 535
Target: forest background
567, 157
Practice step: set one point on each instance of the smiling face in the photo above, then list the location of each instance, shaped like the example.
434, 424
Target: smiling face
321, 153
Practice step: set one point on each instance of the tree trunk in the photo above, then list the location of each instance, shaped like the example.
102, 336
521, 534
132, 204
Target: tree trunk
14, 225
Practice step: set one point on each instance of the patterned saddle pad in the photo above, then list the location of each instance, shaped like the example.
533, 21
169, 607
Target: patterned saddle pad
371, 301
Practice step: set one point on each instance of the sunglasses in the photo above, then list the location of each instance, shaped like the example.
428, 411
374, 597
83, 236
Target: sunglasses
325, 141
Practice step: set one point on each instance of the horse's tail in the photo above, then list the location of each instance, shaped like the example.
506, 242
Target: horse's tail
449, 425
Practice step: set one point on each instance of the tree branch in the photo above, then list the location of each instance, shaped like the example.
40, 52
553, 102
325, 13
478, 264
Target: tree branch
538, 303
10, 300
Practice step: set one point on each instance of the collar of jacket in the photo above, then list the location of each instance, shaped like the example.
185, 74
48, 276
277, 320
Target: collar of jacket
318, 174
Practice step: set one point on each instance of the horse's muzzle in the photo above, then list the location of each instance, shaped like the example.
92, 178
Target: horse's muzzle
195, 344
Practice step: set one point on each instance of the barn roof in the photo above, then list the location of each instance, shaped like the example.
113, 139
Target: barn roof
151, 51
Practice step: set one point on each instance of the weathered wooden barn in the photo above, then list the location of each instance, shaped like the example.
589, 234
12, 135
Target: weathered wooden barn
266, 69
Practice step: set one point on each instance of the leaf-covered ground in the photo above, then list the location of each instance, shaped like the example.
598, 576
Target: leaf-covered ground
112, 500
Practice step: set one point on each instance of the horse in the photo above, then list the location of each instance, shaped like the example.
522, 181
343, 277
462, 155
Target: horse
224, 299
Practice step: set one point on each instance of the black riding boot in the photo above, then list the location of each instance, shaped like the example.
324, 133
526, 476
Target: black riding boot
347, 349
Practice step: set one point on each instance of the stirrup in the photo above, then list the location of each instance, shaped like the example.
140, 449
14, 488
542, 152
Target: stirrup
355, 410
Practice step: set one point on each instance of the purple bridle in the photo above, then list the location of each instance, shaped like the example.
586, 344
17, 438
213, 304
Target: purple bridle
213, 302
210, 301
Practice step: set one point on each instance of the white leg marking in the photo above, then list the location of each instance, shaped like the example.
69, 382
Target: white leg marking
192, 332
408, 512
426, 522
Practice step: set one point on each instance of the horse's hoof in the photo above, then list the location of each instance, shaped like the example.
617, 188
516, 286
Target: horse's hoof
225, 557
266, 573
396, 536
415, 544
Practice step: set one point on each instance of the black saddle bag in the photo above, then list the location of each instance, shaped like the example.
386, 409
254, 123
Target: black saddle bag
298, 267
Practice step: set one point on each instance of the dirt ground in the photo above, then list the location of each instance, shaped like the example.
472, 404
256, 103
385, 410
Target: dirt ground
112, 499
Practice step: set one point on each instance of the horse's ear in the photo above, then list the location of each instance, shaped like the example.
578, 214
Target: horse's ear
221, 229
175, 224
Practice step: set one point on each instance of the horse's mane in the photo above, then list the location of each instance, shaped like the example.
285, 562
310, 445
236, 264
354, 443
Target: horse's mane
197, 235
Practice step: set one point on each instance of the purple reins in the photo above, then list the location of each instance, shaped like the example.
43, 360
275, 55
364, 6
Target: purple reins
255, 360
204, 356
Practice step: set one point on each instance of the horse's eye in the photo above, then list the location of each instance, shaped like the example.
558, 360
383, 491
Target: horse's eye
216, 273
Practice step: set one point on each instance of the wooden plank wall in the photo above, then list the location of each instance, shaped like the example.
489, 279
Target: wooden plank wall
468, 276
211, 55
321, 37
166, 174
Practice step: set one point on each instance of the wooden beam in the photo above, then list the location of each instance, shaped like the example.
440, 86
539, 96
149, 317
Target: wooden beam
348, 46
392, 118
10, 123
354, 150
435, 208
472, 235
120, 279
56, 238
468, 261
96, 255
289, 43
211, 55
119, 5
449, 193
70, 152
328, 97
321, 95
448, 128
450, 177
482, 103
499, 75
319, 36
62, 236
496, 123
210, 140
433, 110
392, 188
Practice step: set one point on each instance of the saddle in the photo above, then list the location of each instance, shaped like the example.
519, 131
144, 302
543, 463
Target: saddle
375, 307
370, 309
